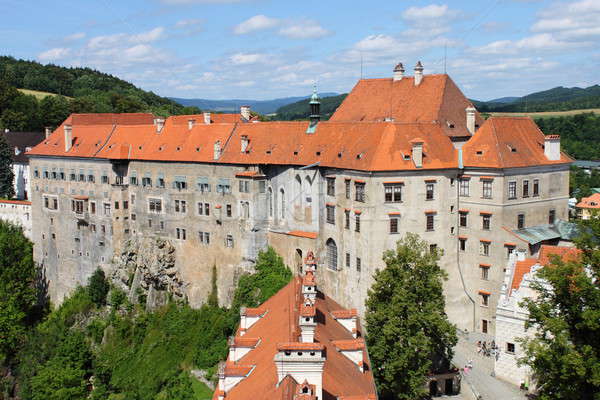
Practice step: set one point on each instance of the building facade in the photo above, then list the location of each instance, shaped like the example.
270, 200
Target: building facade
348, 188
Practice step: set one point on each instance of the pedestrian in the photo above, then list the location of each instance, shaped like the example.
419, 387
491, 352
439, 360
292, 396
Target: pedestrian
466, 370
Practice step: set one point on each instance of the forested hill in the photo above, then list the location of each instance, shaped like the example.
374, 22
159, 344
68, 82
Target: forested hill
79, 90
301, 109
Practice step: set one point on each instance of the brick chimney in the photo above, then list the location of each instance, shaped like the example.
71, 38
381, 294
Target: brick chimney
552, 147
418, 73
68, 137
206, 117
245, 112
417, 152
470, 119
398, 72
191, 123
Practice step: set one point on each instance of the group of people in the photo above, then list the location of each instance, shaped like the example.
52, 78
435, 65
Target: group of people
486, 350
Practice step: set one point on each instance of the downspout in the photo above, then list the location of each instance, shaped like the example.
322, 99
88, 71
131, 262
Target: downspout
462, 278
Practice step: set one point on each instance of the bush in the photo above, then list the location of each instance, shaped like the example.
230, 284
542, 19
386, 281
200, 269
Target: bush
98, 287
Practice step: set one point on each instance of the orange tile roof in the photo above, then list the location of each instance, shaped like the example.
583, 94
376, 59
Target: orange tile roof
308, 279
21, 202
521, 268
563, 252
244, 341
309, 235
349, 344
254, 312
278, 330
215, 118
592, 201
343, 314
493, 144
232, 369
437, 99
308, 311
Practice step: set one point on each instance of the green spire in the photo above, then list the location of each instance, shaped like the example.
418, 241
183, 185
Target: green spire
314, 99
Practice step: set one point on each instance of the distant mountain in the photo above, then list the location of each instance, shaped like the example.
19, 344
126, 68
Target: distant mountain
301, 109
504, 100
233, 105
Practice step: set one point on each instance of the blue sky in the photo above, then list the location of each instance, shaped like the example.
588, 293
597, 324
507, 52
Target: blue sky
261, 49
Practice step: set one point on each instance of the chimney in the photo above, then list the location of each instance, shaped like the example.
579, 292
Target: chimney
245, 142
552, 147
217, 150
417, 152
48, 131
470, 119
191, 123
418, 73
160, 123
207, 117
245, 112
306, 322
303, 362
398, 72
68, 137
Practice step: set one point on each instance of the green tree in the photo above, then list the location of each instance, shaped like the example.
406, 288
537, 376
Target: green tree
408, 330
564, 353
17, 289
98, 287
7, 175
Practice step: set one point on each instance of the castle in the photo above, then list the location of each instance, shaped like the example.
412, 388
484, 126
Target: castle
401, 154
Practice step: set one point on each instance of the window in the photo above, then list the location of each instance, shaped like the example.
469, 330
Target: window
484, 269
93, 207
484, 248
330, 186
509, 250
282, 202
125, 205
245, 209
155, 206
103, 228
551, 217
228, 208
162, 225
347, 260
104, 178
429, 224
394, 224
72, 176
462, 244
46, 174
133, 178
224, 186
116, 205
536, 187
485, 299
347, 187
520, 221
106, 208
229, 241
203, 185
512, 190
510, 348
54, 174
204, 237
180, 206
429, 191
487, 189
36, 173
358, 264
262, 186
147, 181
203, 208
81, 177
61, 175
357, 223
51, 202
331, 254
432, 248
244, 186
330, 210
347, 219
160, 181
180, 233
485, 221
180, 183
133, 217
463, 218
91, 178
359, 188
393, 193
77, 206
526, 188
132, 199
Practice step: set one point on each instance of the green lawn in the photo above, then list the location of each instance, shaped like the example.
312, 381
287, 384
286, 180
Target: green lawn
38, 94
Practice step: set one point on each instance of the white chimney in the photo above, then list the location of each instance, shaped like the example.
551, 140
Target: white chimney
207, 117
191, 123
302, 361
417, 152
418, 73
48, 131
470, 119
245, 112
217, 150
552, 147
68, 137
160, 123
245, 142
398, 72
306, 322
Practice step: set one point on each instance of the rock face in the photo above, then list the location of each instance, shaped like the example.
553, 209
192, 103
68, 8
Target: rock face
146, 270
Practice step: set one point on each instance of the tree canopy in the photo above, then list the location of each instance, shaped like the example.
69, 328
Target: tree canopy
564, 353
407, 328
7, 175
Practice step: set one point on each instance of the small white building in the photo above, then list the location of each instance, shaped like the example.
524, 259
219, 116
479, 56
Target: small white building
17, 212
20, 143
511, 317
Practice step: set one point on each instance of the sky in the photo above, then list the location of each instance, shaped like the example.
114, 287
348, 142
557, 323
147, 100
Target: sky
264, 49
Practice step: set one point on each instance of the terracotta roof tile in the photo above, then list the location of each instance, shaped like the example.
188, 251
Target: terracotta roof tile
349, 344
20, 202
232, 369
521, 268
344, 314
308, 311
254, 312
592, 201
300, 346
308, 279
304, 234
563, 252
244, 341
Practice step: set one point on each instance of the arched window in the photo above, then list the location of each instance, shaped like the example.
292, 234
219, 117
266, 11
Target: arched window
270, 202
282, 203
298, 190
332, 255
307, 187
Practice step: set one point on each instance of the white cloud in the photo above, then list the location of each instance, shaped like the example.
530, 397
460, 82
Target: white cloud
307, 29
187, 22
108, 41
428, 13
257, 23
571, 21
74, 37
247, 58
149, 36
54, 54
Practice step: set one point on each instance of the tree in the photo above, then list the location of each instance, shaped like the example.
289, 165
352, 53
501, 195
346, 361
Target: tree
17, 289
98, 287
564, 353
7, 190
407, 327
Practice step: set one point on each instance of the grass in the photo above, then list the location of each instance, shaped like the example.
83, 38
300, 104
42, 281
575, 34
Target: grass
201, 391
546, 114
38, 94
